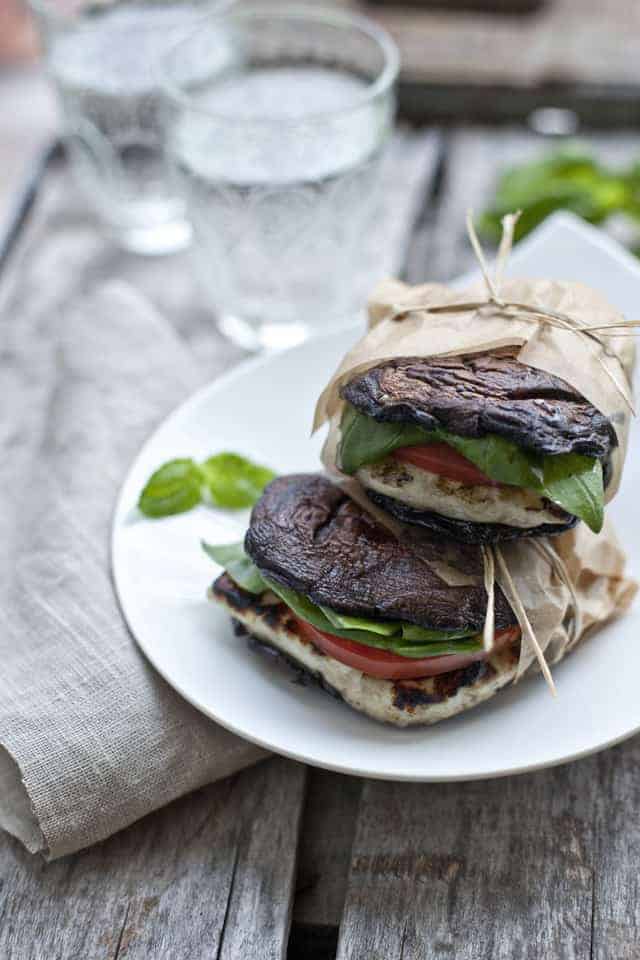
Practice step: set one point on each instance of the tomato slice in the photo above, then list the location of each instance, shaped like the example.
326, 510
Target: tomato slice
442, 459
391, 666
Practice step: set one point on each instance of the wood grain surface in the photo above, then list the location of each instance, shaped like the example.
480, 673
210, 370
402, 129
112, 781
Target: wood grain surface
211, 876
538, 866
496, 869
474, 65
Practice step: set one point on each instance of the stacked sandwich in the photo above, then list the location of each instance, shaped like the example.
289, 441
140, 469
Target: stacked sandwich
437, 559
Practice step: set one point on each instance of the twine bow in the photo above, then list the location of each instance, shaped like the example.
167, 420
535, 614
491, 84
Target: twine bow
593, 334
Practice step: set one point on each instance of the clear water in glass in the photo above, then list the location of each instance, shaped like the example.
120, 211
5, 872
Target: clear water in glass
277, 151
277, 217
104, 66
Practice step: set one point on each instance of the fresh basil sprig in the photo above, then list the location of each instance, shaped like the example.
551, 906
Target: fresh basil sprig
233, 481
572, 481
224, 480
567, 179
174, 488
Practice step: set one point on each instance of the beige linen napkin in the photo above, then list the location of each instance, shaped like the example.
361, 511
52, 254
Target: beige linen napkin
93, 739
90, 737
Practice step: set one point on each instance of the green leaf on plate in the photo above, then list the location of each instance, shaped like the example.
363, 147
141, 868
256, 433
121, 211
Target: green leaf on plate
233, 481
238, 565
173, 488
225, 480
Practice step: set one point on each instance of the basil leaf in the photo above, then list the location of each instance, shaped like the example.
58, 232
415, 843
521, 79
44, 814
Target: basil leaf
234, 482
238, 565
364, 440
227, 479
313, 614
415, 634
343, 622
443, 642
568, 179
173, 488
575, 483
501, 459
470, 645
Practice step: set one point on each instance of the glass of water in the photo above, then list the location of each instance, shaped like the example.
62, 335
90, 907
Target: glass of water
102, 57
276, 147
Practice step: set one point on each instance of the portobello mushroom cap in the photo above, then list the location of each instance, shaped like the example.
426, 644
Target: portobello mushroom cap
486, 393
308, 535
466, 531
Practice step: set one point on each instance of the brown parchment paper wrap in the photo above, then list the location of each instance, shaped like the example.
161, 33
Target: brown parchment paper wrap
561, 617
603, 378
559, 587
561, 605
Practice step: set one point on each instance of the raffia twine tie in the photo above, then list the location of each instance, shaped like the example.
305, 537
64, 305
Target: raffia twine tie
593, 334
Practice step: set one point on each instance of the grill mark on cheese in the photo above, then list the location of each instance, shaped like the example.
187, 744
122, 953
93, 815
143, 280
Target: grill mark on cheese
423, 490
399, 702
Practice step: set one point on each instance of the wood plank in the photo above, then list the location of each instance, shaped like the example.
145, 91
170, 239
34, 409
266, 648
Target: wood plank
259, 908
616, 918
498, 870
325, 847
209, 876
595, 105
544, 865
28, 123
562, 41
475, 67
473, 161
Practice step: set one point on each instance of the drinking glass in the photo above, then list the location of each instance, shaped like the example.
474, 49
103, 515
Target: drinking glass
102, 58
277, 151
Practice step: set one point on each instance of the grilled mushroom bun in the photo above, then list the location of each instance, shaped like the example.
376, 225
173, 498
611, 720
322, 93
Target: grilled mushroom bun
331, 590
476, 449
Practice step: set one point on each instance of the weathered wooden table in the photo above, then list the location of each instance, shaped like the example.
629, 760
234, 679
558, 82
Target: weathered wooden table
284, 860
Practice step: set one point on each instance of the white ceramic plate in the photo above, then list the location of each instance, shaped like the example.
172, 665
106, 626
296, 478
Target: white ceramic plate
263, 409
